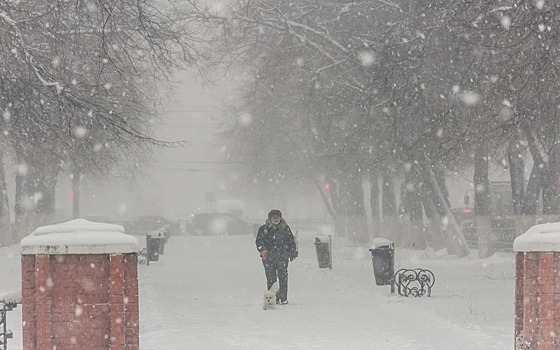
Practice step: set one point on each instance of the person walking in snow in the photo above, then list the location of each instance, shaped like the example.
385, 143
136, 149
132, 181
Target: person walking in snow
276, 246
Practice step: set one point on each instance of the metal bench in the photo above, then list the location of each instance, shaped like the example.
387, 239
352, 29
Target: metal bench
414, 282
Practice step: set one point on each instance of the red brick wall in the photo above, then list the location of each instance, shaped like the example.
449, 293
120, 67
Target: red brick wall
537, 300
82, 302
132, 311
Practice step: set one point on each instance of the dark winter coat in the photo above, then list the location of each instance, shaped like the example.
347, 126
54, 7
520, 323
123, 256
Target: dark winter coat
277, 240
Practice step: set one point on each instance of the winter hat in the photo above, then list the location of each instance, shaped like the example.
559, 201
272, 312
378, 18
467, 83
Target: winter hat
274, 212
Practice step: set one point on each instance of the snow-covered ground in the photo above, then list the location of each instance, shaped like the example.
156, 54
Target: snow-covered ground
206, 293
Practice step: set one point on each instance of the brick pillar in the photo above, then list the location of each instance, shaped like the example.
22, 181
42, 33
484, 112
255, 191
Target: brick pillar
537, 289
116, 291
28, 301
519, 272
131, 306
43, 302
80, 295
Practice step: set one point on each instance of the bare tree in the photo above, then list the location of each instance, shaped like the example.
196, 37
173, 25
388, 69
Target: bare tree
81, 80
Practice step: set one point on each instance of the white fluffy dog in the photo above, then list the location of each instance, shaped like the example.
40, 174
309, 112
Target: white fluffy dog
269, 298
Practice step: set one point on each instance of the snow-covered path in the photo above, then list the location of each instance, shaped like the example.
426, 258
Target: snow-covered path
205, 293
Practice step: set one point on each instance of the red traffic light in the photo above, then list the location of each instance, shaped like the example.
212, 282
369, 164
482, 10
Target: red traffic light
327, 186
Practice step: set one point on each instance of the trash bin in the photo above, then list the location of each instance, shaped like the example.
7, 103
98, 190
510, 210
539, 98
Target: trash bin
152, 247
162, 241
383, 259
324, 253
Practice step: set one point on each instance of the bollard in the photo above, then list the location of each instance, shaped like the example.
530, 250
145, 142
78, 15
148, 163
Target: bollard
537, 291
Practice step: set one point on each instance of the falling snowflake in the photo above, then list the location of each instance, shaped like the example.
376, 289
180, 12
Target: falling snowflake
505, 22
366, 57
56, 62
245, 118
22, 169
470, 98
80, 131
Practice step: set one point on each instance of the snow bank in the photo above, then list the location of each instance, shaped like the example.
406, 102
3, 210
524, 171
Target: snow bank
79, 237
380, 242
539, 238
11, 297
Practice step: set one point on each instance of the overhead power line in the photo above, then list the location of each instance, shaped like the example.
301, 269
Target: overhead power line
197, 162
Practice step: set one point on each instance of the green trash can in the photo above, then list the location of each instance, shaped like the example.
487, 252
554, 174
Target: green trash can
383, 259
324, 252
162, 241
152, 247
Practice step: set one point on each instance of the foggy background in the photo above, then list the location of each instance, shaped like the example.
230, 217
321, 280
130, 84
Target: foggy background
177, 180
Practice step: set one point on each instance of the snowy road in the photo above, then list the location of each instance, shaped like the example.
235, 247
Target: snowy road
205, 293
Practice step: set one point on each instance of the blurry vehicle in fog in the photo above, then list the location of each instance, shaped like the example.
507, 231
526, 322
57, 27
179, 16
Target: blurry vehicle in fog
148, 223
235, 207
502, 217
220, 224
97, 218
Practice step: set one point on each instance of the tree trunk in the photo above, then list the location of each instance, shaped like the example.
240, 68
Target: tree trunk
413, 206
35, 193
330, 201
456, 243
43, 193
339, 208
482, 204
76, 195
517, 175
436, 224
389, 197
6, 229
389, 223
439, 174
551, 199
21, 202
355, 209
532, 193
374, 203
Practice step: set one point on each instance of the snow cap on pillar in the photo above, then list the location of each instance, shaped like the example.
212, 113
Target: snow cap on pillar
79, 237
539, 238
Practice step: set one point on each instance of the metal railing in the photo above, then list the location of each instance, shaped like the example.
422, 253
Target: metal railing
5, 306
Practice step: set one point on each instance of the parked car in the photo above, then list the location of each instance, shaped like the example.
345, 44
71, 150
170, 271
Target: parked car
147, 223
217, 224
97, 218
